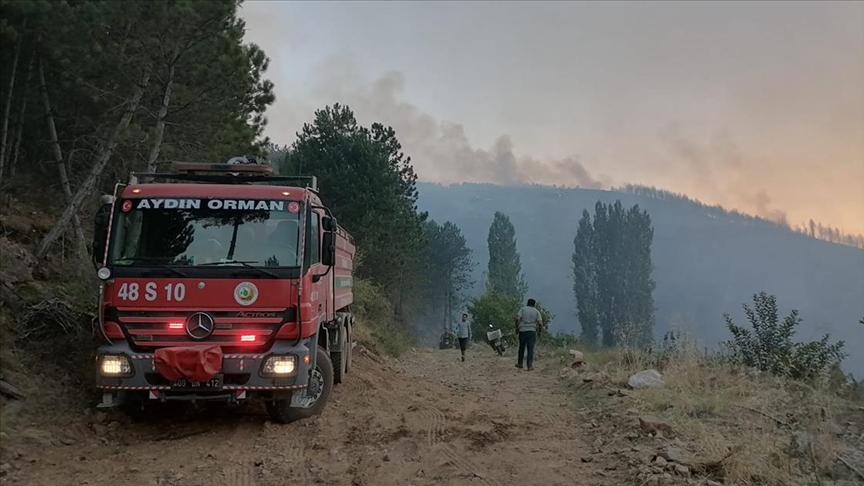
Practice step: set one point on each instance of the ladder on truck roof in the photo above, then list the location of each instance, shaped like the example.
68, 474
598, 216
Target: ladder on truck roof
230, 173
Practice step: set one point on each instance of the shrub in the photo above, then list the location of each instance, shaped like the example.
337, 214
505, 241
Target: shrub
769, 346
560, 340
492, 311
376, 327
497, 311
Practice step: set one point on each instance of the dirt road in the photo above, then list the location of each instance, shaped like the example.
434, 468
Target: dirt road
426, 419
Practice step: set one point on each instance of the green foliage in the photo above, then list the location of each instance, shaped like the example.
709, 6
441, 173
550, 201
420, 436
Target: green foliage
493, 311
376, 327
94, 54
505, 268
364, 178
369, 184
561, 340
769, 347
448, 273
546, 315
612, 276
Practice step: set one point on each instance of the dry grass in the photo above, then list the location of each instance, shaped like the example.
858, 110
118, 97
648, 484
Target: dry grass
47, 345
376, 326
745, 424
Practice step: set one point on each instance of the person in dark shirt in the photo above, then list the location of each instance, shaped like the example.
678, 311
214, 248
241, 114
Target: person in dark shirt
528, 323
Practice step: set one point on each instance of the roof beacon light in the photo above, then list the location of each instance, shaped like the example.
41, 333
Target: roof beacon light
234, 166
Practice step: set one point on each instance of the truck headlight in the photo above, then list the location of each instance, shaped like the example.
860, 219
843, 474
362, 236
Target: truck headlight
115, 365
279, 365
103, 273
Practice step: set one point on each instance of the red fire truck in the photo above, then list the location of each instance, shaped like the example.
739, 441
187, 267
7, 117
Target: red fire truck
222, 282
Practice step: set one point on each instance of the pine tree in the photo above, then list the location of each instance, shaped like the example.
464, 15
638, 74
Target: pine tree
128, 84
370, 186
450, 270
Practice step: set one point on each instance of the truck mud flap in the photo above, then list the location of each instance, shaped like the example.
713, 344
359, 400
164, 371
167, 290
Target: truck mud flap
300, 399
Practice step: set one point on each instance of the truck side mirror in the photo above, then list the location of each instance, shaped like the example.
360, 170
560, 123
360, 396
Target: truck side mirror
328, 252
100, 229
328, 223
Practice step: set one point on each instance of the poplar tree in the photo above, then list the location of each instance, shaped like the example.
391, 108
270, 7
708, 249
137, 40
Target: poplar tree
504, 274
612, 280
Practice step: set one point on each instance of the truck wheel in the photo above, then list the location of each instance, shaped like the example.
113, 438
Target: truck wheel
340, 359
282, 412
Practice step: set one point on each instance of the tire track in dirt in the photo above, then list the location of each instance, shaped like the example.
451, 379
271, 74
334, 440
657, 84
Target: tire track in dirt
466, 465
352, 386
356, 387
365, 391
561, 429
293, 441
436, 437
436, 424
240, 475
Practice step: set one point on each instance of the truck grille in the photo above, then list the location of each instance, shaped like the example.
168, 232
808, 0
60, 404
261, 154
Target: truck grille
230, 328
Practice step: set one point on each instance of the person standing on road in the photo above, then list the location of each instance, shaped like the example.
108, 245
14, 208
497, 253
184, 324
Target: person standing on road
528, 323
464, 334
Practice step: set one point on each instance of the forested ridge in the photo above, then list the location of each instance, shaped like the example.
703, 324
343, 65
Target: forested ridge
704, 265
813, 229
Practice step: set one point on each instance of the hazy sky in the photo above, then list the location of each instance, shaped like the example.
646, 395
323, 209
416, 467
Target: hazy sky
756, 106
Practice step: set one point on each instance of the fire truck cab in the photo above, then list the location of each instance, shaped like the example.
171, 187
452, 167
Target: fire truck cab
222, 282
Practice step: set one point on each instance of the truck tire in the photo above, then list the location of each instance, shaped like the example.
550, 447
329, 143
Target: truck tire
282, 412
340, 358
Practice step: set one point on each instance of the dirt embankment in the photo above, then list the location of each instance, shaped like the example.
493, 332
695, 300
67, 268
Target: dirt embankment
427, 419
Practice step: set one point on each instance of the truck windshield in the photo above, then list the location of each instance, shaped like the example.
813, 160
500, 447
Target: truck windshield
192, 232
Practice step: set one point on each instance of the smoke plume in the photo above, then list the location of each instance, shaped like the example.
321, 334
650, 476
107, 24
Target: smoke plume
751, 105
717, 169
441, 150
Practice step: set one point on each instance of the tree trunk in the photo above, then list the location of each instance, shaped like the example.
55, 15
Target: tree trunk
22, 112
81, 242
105, 152
447, 310
159, 133
4, 132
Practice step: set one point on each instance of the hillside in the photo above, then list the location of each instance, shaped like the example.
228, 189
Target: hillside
706, 263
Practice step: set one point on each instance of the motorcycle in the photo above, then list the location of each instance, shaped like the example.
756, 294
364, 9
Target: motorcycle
496, 340
448, 340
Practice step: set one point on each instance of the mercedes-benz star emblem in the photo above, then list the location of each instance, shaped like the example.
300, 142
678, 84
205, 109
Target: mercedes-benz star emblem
199, 326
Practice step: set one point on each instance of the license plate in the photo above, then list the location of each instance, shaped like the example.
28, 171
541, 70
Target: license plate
214, 383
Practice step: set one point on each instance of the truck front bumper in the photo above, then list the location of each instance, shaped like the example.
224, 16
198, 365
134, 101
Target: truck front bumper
241, 376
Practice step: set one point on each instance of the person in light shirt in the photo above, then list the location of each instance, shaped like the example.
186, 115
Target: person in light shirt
528, 323
463, 332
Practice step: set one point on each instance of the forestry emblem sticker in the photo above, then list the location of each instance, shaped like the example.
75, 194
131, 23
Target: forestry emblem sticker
246, 293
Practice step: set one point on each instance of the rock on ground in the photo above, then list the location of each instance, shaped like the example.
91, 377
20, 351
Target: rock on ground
646, 379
